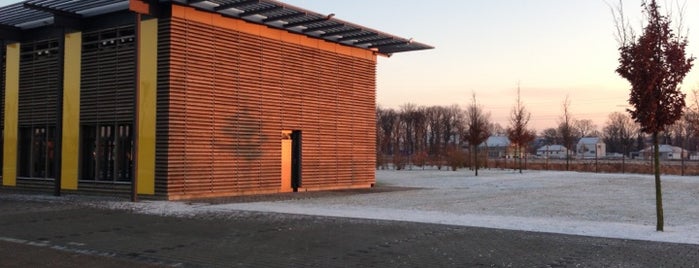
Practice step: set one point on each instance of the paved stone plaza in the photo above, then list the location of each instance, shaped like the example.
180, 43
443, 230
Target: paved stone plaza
58, 233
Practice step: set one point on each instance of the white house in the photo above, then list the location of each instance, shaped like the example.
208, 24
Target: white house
591, 147
552, 151
497, 146
667, 152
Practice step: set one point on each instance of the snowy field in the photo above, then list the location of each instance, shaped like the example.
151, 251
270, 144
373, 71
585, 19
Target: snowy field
603, 205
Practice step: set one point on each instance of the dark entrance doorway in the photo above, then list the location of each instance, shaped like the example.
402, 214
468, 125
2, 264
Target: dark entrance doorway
291, 161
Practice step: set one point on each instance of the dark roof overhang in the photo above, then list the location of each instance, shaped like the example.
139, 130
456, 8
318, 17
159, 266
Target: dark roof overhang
68, 13
276, 14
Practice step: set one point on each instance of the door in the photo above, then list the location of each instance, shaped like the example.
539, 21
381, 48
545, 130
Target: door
296, 160
291, 161
286, 162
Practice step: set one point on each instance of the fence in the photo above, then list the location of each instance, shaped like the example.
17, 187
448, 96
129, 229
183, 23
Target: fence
669, 167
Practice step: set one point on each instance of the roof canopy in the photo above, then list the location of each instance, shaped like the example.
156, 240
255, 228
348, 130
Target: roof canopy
36, 13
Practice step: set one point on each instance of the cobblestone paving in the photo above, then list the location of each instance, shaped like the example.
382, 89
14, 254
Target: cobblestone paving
51, 233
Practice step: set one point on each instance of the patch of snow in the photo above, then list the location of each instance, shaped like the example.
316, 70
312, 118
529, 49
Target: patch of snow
602, 205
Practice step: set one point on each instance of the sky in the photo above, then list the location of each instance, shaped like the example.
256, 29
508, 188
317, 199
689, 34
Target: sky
550, 48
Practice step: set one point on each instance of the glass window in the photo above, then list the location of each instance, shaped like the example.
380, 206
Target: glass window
37, 152
107, 151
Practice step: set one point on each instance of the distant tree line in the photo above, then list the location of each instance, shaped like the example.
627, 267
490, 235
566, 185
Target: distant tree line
444, 135
418, 135
431, 135
414, 135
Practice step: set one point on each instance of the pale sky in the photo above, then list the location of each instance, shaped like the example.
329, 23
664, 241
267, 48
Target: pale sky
552, 48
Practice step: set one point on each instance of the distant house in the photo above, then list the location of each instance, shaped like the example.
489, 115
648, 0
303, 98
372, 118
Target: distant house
552, 151
591, 147
497, 146
667, 152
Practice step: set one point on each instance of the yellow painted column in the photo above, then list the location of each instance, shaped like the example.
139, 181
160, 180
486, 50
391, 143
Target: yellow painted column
9, 171
147, 92
71, 111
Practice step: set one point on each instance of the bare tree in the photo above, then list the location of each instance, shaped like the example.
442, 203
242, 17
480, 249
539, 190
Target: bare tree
567, 130
517, 132
620, 134
692, 118
434, 116
679, 133
407, 116
399, 142
453, 117
551, 136
585, 128
497, 129
386, 120
420, 127
453, 123
655, 64
478, 124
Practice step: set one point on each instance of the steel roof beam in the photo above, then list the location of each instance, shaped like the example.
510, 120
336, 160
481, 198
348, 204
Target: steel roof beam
342, 33
284, 17
401, 47
33, 6
61, 18
357, 37
305, 22
260, 11
235, 5
321, 28
372, 41
390, 44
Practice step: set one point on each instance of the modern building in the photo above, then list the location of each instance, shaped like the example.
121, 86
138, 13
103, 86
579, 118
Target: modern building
187, 98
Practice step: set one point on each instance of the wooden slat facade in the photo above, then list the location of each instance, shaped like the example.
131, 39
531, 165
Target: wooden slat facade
38, 81
163, 112
226, 91
231, 93
107, 85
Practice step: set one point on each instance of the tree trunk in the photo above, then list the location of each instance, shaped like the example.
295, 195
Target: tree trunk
526, 158
684, 145
519, 153
658, 189
475, 159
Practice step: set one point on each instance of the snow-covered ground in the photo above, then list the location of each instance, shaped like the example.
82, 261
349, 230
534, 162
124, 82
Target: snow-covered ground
604, 205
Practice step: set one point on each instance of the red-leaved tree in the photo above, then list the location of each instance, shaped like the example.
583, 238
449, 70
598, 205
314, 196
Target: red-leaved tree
654, 63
